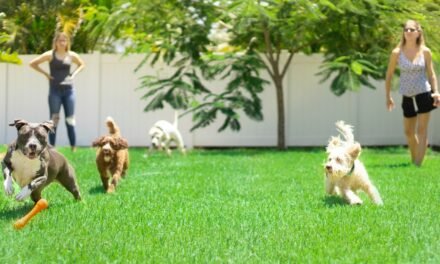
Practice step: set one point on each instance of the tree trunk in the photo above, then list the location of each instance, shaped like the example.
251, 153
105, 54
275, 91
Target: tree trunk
281, 116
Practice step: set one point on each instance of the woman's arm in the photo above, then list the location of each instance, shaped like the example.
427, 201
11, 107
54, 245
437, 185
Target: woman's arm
389, 76
79, 62
35, 63
432, 78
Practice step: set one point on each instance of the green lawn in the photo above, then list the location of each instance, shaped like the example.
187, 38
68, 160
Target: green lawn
239, 206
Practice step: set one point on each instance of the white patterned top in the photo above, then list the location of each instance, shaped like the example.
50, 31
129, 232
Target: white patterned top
413, 78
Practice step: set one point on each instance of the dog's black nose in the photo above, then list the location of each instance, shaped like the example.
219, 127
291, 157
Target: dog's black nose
328, 167
33, 146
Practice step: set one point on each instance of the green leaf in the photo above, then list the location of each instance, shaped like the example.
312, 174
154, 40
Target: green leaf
6, 57
356, 67
155, 103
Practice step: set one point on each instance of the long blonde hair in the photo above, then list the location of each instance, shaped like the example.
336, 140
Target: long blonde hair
57, 36
420, 40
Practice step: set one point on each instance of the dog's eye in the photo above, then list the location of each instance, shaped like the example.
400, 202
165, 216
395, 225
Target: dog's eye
24, 130
338, 160
41, 135
113, 144
41, 138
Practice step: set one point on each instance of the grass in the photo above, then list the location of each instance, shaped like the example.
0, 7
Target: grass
238, 205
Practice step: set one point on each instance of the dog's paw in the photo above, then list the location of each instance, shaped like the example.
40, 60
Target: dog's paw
356, 202
8, 186
378, 201
110, 189
23, 194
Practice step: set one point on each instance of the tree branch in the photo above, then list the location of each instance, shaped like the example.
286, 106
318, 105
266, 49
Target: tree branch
269, 70
286, 66
266, 34
292, 52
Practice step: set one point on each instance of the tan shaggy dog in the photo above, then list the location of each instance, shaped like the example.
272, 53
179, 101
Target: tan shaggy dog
345, 174
112, 157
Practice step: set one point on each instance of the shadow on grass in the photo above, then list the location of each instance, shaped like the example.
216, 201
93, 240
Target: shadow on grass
391, 165
15, 213
216, 151
98, 189
334, 201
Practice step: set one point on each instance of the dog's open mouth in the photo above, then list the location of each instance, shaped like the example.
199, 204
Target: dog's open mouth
32, 155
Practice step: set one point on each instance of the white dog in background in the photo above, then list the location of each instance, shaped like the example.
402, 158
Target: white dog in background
344, 173
163, 133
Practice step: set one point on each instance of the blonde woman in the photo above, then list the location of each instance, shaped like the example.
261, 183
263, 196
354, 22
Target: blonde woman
417, 82
60, 76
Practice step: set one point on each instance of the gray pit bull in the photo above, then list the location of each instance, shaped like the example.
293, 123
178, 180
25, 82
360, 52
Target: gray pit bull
33, 163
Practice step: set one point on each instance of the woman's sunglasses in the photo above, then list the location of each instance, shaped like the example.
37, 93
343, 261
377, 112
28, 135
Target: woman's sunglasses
410, 30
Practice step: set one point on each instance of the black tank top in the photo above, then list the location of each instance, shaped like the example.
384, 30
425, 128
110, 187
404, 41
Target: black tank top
59, 70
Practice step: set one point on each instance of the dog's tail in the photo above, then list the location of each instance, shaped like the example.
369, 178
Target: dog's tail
176, 118
113, 129
346, 131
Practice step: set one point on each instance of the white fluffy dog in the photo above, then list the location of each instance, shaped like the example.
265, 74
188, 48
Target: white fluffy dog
344, 173
163, 133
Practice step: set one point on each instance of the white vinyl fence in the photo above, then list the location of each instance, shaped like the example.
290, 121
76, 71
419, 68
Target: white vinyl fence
107, 87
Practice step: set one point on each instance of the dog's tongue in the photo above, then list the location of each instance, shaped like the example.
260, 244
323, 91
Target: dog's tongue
32, 155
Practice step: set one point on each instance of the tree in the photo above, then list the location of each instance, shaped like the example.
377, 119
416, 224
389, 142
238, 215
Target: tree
177, 33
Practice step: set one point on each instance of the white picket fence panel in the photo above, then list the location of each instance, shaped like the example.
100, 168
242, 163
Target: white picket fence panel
108, 87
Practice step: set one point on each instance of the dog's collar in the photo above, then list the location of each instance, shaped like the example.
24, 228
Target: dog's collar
351, 171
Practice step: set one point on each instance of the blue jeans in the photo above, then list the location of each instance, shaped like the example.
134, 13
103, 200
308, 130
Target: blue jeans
62, 97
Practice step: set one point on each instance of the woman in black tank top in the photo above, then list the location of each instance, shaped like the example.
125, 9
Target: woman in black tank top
61, 90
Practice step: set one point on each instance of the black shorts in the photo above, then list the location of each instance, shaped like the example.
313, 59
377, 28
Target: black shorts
418, 104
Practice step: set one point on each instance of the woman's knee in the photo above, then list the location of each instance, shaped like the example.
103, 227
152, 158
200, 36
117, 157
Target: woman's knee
409, 131
422, 126
70, 120
55, 119
422, 131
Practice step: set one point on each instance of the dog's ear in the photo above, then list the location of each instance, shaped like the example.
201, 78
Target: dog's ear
98, 142
121, 143
333, 143
18, 123
354, 150
153, 131
48, 125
